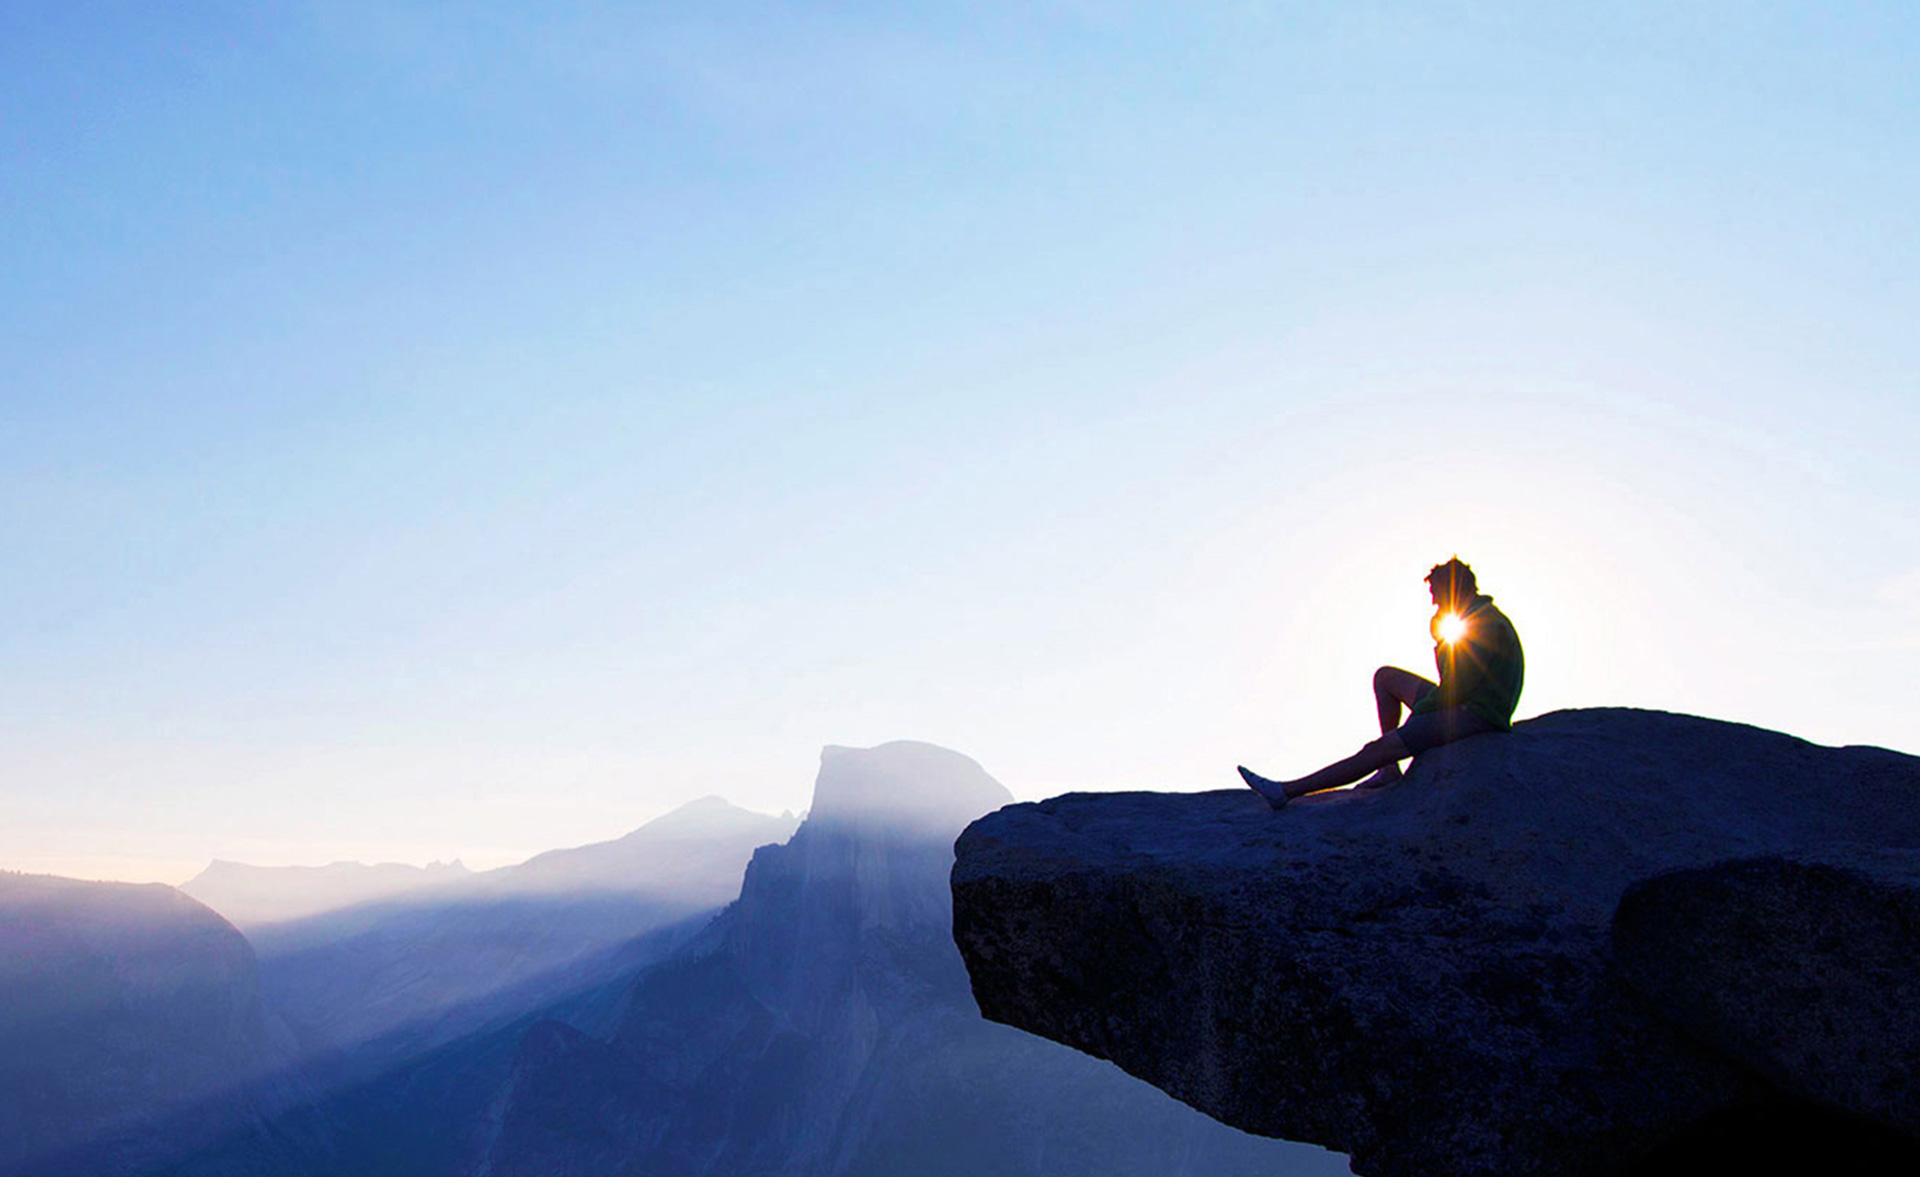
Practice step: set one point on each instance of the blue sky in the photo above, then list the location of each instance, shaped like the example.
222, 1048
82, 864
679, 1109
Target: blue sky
471, 428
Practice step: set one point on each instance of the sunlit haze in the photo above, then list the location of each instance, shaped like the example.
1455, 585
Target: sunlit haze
461, 430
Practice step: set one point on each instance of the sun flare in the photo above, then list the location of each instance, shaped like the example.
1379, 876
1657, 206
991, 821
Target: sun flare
1452, 628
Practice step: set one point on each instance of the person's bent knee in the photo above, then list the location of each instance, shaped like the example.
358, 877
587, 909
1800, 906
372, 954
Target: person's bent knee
1389, 677
1391, 682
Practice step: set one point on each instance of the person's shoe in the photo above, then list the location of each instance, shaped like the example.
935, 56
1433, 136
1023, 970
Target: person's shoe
1271, 790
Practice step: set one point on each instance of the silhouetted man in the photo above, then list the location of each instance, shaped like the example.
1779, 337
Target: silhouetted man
1481, 670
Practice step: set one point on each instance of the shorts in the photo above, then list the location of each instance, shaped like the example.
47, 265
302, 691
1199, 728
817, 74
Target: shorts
1423, 733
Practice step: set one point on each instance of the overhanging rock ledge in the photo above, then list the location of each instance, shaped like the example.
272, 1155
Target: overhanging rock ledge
1586, 946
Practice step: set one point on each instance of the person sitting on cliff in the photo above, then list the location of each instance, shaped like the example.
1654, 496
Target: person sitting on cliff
1478, 655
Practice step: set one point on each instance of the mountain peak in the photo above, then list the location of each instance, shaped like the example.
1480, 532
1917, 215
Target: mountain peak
699, 817
902, 783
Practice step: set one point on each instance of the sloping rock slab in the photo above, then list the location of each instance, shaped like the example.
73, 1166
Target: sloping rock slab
1424, 977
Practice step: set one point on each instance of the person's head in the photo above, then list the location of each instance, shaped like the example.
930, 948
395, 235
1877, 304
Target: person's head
1450, 582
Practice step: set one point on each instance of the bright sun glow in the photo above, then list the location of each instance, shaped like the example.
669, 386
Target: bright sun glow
1452, 629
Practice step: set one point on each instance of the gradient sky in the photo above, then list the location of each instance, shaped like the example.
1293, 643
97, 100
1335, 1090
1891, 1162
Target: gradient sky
470, 428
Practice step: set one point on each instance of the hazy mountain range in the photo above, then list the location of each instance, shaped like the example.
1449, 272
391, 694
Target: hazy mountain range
253, 897
582, 1014
135, 1021
823, 1025
366, 984
687, 856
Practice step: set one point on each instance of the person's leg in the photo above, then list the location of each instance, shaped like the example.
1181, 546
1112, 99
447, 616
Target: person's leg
1393, 688
1387, 750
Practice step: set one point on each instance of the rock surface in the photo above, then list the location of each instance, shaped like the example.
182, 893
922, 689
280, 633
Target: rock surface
1807, 972
1442, 977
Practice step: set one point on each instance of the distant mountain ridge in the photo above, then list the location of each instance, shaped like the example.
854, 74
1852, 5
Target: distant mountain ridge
679, 851
250, 896
661, 855
137, 1024
421, 968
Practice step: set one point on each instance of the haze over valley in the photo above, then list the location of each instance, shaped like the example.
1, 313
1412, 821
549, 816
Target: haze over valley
622, 1007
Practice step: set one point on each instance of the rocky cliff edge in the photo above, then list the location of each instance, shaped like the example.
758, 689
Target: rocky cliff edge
1608, 941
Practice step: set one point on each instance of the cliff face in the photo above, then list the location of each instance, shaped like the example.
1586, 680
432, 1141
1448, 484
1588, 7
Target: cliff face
1607, 940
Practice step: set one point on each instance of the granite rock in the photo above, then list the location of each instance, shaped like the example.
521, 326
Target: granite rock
1576, 948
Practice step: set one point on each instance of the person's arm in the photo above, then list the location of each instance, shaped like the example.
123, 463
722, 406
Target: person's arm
1436, 698
1439, 646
